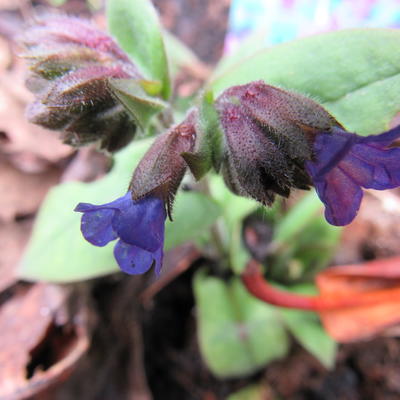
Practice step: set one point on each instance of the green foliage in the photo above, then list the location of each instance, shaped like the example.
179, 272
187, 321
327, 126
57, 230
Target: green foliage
308, 331
57, 252
57, 3
136, 27
193, 214
178, 53
303, 241
238, 334
136, 101
251, 392
297, 219
234, 210
354, 73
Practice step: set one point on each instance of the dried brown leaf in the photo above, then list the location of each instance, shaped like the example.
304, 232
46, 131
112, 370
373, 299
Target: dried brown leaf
39, 346
22, 193
13, 238
31, 146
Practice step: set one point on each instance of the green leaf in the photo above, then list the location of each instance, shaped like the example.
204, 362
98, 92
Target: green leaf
298, 217
133, 97
235, 209
303, 240
179, 55
57, 251
193, 214
238, 334
354, 73
255, 42
307, 330
250, 392
136, 27
57, 3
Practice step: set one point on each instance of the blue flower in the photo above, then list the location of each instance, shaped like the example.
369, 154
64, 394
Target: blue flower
139, 226
345, 163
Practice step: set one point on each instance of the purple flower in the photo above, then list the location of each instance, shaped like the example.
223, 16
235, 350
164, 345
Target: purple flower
345, 162
139, 226
277, 140
137, 219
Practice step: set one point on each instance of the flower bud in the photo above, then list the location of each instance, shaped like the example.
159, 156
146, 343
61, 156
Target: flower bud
161, 170
269, 134
71, 62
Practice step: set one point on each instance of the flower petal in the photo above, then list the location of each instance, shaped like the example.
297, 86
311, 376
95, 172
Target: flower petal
118, 204
381, 166
142, 223
158, 258
96, 227
132, 259
96, 222
340, 195
345, 162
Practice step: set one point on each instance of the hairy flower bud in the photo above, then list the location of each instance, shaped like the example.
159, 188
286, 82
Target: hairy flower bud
276, 140
161, 170
71, 62
269, 134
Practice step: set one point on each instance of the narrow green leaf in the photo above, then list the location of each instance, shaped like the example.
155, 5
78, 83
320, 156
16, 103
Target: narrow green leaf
238, 334
136, 27
354, 73
179, 55
298, 217
136, 101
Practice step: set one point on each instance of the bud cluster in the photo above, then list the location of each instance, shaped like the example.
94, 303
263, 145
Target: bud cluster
269, 135
71, 62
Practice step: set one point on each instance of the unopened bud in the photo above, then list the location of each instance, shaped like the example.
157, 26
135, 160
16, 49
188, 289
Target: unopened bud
71, 62
269, 135
161, 170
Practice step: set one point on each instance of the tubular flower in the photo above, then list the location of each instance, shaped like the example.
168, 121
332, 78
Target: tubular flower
137, 219
71, 62
276, 141
138, 226
345, 163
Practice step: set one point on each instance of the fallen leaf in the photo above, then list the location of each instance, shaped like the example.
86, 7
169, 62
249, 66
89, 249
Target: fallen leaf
22, 193
39, 348
13, 238
375, 285
32, 146
5, 55
375, 233
87, 165
354, 302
